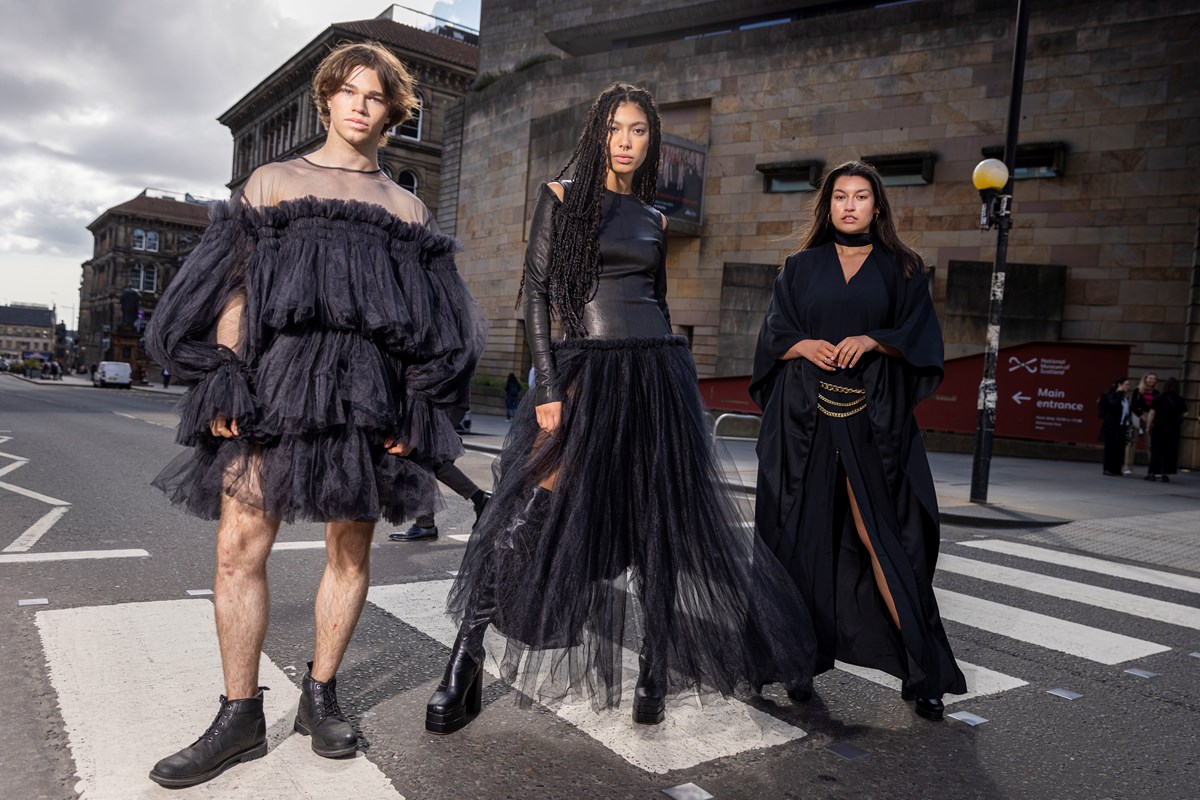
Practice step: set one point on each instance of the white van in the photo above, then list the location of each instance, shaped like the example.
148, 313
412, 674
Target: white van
112, 373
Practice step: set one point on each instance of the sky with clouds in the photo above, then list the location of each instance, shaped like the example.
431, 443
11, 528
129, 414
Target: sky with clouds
103, 99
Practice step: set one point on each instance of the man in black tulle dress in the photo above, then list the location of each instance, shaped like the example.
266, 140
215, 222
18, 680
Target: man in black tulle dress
328, 334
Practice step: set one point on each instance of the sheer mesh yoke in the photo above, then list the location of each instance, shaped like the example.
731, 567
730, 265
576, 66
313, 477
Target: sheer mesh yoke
272, 184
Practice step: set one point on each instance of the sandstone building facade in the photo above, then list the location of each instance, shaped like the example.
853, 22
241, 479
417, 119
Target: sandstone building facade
1106, 207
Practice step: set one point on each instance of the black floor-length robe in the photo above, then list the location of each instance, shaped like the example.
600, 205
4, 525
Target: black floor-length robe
805, 457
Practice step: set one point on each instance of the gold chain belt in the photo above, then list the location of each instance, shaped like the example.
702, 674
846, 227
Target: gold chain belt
833, 387
843, 409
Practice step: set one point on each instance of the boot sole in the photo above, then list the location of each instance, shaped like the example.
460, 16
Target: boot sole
182, 783
443, 724
653, 715
935, 716
341, 752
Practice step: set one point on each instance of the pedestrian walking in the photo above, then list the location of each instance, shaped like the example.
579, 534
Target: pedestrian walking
1164, 426
512, 394
327, 333
849, 346
1117, 428
608, 501
166, 377
1140, 400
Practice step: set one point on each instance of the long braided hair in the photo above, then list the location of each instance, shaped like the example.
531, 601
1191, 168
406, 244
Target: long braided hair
883, 228
574, 271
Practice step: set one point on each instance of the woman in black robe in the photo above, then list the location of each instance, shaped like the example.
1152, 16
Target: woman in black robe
849, 347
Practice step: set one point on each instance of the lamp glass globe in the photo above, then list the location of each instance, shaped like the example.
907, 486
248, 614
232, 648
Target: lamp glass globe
991, 173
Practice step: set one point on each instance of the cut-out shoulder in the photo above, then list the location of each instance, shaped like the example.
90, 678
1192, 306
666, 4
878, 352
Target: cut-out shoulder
272, 184
557, 188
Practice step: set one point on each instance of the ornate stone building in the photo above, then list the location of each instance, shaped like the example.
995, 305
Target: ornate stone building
138, 247
1105, 206
276, 119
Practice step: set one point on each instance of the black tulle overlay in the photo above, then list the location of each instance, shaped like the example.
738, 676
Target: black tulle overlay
356, 329
638, 542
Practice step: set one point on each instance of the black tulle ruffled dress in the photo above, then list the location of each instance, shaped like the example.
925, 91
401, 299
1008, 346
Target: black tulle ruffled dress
356, 328
639, 544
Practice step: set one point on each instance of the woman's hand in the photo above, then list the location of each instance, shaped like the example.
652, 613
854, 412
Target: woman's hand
818, 351
851, 349
396, 448
223, 428
549, 415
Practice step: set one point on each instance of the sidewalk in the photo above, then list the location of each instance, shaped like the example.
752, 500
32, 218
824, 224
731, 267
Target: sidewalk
1022, 492
83, 381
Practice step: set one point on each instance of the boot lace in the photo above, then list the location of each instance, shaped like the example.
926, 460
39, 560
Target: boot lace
326, 702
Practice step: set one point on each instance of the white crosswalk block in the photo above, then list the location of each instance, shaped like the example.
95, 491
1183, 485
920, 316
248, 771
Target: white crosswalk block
1155, 577
1124, 602
1094, 644
101, 656
980, 680
690, 735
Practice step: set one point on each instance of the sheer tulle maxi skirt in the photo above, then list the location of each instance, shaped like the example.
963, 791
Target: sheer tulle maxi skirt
637, 542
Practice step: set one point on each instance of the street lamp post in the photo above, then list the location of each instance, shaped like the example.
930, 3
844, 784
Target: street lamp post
993, 179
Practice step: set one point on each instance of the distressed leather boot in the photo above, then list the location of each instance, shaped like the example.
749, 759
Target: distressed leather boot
239, 733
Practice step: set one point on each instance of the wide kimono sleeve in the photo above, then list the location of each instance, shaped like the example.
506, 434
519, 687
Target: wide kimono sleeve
181, 335
439, 358
781, 329
915, 333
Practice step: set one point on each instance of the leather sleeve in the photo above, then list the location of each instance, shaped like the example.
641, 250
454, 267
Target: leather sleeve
537, 307
660, 280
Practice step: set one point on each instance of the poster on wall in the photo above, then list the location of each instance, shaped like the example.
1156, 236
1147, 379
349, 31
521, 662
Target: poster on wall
680, 194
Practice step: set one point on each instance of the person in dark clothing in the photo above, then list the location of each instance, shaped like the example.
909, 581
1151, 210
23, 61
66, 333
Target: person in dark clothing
166, 377
608, 498
845, 497
1117, 405
512, 394
1164, 425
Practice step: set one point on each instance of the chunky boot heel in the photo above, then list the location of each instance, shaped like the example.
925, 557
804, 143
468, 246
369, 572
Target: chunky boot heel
649, 696
459, 697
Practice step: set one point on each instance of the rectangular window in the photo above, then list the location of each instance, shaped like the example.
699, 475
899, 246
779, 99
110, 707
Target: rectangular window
152, 241
150, 278
903, 169
790, 176
1034, 160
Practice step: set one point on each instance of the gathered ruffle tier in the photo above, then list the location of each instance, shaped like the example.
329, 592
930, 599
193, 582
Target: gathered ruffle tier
356, 329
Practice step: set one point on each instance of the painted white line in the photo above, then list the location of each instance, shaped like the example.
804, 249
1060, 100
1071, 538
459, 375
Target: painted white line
34, 495
127, 416
690, 735
980, 680
70, 555
1094, 644
34, 601
318, 545
1110, 599
1089, 564
199, 592
459, 537
100, 656
36, 531
12, 467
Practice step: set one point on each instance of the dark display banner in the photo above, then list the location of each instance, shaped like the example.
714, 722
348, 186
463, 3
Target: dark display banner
681, 179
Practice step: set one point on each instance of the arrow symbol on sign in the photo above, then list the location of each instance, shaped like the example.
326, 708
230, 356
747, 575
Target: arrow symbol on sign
1018, 398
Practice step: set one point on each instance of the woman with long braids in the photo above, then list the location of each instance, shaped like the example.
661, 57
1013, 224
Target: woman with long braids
849, 347
608, 498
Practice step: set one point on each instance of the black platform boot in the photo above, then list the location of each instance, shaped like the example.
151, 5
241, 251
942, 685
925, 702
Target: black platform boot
650, 694
480, 501
320, 717
239, 733
928, 707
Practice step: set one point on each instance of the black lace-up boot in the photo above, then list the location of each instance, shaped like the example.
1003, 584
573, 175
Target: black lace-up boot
320, 717
239, 733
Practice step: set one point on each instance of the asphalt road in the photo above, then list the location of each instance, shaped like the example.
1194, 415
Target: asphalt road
118, 668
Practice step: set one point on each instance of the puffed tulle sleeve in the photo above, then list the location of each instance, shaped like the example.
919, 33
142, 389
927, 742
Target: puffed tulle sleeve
181, 335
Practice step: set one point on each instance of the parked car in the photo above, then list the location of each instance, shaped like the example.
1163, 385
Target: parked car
113, 373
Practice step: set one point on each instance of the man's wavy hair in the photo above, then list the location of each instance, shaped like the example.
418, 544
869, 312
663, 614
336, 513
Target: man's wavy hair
399, 87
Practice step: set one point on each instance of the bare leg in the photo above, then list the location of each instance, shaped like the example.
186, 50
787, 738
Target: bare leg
241, 600
880, 581
342, 593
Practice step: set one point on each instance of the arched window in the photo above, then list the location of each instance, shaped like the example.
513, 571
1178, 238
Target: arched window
407, 180
412, 128
152, 241
139, 239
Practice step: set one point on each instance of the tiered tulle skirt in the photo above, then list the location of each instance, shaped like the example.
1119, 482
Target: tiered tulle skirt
639, 541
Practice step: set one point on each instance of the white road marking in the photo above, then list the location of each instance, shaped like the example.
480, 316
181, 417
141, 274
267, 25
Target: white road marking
34, 601
1094, 644
320, 544
980, 680
1110, 599
459, 537
69, 555
691, 734
13, 466
123, 414
1089, 564
33, 495
36, 531
101, 656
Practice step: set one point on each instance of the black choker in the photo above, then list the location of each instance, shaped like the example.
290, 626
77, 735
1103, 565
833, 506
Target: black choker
852, 239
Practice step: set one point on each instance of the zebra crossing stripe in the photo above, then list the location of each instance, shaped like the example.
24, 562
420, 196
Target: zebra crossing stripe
691, 734
1110, 599
1093, 644
101, 656
980, 680
1113, 569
